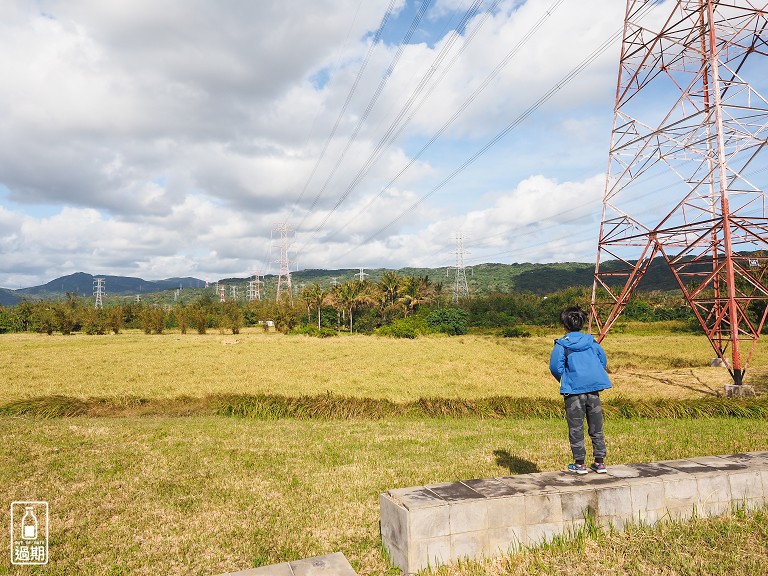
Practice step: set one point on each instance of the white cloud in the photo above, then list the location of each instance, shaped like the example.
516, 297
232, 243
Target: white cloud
167, 139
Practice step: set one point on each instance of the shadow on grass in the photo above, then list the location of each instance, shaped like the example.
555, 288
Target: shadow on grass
703, 389
514, 464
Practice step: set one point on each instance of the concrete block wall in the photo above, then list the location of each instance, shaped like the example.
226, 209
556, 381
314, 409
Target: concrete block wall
441, 523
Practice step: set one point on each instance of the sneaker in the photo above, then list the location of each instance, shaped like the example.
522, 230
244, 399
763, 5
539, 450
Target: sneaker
598, 467
577, 469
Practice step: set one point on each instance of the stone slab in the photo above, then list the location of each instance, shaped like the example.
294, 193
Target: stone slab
335, 564
483, 517
418, 497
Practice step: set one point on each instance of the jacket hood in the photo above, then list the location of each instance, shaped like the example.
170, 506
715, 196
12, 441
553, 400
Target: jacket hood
576, 341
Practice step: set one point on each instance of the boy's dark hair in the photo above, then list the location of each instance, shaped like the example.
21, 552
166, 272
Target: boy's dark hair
573, 318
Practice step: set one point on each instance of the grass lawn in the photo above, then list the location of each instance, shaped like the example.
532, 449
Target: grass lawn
204, 495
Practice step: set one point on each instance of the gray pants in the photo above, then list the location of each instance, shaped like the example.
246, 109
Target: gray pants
577, 407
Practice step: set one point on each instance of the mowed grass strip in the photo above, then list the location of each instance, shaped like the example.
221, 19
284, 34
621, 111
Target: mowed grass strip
735, 544
205, 495
135, 365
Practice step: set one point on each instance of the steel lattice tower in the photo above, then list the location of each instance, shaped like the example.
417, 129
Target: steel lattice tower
688, 155
254, 287
98, 292
460, 286
284, 277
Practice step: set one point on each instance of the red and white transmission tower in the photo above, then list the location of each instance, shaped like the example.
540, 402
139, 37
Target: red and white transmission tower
687, 149
284, 277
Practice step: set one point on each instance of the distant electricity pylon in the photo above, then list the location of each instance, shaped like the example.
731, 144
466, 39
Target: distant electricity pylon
361, 275
222, 292
233, 292
689, 135
254, 287
284, 277
460, 286
98, 292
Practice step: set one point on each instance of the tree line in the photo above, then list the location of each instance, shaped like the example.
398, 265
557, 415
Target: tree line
396, 305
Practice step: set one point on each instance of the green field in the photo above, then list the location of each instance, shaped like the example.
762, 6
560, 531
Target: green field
208, 494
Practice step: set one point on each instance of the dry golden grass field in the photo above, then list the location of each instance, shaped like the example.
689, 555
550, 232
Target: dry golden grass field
206, 494
668, 365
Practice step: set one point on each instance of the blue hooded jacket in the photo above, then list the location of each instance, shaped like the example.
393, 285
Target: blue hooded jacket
578, 362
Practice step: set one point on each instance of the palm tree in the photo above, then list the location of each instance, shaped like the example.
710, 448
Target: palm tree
350, 295
306, 295
390, 286
313, 295
416, 290
318, 297
332, 299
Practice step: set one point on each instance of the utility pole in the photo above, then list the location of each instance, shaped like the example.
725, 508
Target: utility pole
689, 133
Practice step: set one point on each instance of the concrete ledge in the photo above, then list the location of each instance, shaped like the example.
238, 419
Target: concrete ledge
335, 564
441, 523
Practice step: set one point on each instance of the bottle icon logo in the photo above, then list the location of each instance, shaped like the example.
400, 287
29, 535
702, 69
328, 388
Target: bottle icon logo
29, 524
29, 533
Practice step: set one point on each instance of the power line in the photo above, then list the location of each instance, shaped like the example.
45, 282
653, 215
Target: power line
371, 103
399, 123
521, 118
351, 92
499, 67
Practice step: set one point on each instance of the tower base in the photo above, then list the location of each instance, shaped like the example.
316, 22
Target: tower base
739, 391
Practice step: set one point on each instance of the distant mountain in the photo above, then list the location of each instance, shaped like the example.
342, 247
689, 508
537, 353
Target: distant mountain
8, 297
82, 283
482, 279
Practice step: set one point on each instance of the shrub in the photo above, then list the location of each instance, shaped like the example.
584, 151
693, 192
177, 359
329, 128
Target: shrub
451, 321
515, 332
404, 328
233, 316
10, 321
310, 330
199, 317
115, 319
285, 319
94, 321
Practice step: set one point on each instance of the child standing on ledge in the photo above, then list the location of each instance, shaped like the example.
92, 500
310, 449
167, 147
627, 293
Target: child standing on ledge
578, 362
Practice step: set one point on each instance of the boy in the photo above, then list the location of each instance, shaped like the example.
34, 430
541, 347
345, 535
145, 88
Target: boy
578, 362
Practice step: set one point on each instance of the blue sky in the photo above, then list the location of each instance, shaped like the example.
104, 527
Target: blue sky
167, 139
